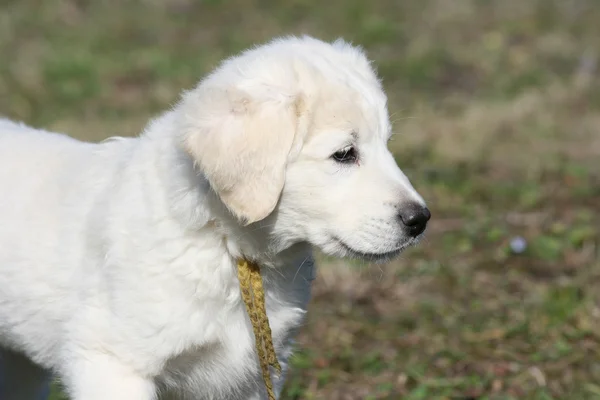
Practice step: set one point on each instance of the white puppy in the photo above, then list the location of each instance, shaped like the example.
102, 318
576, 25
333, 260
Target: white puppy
118, 259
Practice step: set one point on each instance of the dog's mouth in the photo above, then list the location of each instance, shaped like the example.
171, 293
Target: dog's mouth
378, 257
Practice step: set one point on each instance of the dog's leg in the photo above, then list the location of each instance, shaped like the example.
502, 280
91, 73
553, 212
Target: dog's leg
284, 355
101, 377
280, 381
20, 379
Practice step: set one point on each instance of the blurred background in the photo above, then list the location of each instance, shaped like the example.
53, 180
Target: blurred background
497, 108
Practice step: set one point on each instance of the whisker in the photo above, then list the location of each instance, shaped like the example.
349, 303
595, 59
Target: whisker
299, 268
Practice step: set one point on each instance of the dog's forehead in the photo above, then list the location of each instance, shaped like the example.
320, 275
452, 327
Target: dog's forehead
361, 110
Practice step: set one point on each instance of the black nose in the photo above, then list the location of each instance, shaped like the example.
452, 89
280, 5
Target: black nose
415, 218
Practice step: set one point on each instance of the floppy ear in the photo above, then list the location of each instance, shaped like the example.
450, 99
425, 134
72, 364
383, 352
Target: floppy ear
241, 144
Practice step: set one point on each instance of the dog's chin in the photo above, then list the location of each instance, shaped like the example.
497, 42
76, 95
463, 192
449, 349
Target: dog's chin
377, 257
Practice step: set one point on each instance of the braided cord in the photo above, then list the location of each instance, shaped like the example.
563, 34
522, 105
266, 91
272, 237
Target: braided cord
253, 294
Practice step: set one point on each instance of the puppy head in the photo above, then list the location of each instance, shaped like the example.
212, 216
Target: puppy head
293, 135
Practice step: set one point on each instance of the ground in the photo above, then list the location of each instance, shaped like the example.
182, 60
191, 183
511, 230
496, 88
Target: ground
496, 104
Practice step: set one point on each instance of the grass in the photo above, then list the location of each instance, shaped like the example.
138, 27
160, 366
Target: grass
497, 107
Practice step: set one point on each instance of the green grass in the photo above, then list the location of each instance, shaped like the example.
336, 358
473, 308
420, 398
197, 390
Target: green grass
497, 106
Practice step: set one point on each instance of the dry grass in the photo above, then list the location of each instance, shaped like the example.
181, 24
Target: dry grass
498, 117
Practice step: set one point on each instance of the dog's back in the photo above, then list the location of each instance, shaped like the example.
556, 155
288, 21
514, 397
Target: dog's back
38, 170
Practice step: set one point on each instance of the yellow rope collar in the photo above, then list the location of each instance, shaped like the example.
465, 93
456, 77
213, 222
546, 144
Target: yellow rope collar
253, 293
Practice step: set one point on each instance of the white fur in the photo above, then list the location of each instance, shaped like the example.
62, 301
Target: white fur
117, 259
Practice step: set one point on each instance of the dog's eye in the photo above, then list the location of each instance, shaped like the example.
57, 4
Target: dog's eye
346, 155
